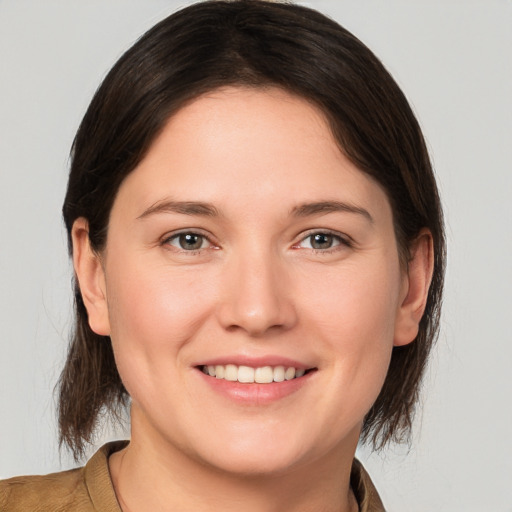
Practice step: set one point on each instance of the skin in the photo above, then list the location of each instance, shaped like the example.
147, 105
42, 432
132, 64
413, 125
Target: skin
255, 288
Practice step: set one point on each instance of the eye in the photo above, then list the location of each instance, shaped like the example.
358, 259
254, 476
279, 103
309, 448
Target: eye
188, 241
321, 241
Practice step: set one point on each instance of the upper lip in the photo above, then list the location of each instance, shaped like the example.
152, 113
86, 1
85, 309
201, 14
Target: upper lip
256, 362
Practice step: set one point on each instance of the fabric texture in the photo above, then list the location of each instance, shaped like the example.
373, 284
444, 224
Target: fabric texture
90, 489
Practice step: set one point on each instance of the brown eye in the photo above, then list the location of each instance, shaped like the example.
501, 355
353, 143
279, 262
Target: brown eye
321, 241
188, 241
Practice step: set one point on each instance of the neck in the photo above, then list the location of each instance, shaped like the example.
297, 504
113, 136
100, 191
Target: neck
186, 483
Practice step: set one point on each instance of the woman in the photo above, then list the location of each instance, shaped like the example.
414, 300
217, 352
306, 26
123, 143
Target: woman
258, 250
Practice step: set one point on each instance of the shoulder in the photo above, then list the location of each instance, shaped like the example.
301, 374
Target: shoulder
86, 489
365, 492
57, 492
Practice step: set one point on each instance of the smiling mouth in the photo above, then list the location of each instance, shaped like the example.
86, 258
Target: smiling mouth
249, 375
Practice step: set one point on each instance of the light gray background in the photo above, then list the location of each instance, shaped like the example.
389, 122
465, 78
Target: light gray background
452, 58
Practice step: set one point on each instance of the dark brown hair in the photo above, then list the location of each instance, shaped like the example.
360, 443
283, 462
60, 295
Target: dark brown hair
249, 43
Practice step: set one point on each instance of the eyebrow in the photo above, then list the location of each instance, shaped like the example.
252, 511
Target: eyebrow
208, 210
324, 207
181, 207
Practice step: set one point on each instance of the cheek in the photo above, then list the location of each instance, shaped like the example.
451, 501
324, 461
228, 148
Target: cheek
357, 305
152, 299
355, 316
153, 314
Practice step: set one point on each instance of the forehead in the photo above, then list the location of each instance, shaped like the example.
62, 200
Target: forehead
259, 147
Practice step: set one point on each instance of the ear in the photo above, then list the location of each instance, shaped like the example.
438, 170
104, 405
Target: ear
91, 278
415, 286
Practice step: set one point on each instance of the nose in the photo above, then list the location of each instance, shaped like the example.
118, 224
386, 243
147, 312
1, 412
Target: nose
257, 297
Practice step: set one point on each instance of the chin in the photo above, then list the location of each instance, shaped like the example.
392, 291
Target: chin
257, 462
263, 451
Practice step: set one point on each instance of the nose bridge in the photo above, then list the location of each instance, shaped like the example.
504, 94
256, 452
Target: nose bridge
256, 296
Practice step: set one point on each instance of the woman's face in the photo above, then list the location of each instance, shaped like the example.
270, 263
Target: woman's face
246, 246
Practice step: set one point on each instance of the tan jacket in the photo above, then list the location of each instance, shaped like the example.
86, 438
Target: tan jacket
89, 489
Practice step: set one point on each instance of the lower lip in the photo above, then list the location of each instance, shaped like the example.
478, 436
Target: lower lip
254, 393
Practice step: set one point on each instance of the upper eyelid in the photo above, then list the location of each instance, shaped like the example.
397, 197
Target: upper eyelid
192, 231
346, 239
165, 240
342, 236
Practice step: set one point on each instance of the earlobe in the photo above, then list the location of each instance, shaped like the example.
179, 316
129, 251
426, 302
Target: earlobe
416, 286
91, 278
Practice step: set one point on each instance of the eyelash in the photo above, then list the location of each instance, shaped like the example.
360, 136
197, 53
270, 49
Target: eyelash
175, 236
343, 241
340, 241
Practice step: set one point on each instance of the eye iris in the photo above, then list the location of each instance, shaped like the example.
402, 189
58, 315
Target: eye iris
321, 241
190, 241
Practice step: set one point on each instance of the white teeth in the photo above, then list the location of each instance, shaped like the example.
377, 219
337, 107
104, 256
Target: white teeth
289, 374
231, 372
279, 374
264, 375
247, 374
219, 371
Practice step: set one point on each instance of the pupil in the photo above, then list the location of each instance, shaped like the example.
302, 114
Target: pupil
190, 241
322, 241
